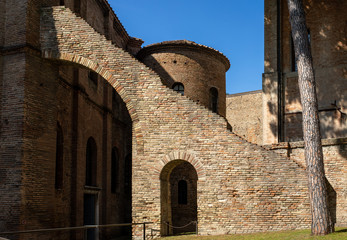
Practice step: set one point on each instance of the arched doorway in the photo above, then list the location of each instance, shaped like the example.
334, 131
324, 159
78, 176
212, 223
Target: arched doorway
178, 198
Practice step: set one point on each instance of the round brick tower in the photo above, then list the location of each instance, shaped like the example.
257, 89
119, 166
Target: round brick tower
194, 70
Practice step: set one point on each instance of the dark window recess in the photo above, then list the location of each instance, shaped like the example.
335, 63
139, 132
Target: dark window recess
59, 158
89, 215
178, 87
91, 162
182, 192
127, 174
93, 77
114, 170
214, 99
62, 2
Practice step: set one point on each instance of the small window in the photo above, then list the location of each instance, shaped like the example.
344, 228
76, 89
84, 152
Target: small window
93, 77
178, 87
214, 99
127, 174
62, 2
91, 162
182, 192
59, 158
114, 170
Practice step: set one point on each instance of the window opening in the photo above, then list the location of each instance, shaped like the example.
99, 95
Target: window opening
114, 170
182, 192
59, 158
178, 87
91, 162
127, 174
214, 99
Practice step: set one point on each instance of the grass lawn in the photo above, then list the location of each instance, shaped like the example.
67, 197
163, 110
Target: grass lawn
340, 234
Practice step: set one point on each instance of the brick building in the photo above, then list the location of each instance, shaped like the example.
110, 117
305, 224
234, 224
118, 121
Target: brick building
97, 130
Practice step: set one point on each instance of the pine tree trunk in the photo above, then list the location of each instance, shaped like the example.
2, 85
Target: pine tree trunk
321, 218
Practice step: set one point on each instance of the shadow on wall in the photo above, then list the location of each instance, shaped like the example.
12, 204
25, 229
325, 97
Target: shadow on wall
332, 201
331, 96
165, 77
331, 73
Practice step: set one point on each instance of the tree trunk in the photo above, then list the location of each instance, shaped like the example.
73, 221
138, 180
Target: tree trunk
321, 218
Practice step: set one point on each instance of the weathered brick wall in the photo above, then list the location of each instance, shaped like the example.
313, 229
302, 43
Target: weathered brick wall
39, 138
335, 164
326, 21
94, 15
244, 112
12, 71
2, 22
241, 188
197, 67
43, 206
98, 13
184, 213
14, 22
11, 139
33, 99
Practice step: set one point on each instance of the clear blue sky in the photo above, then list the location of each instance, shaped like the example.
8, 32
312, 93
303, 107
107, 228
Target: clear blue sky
234, 27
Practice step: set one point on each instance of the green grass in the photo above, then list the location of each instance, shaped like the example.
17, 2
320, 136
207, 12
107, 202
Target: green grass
339, 234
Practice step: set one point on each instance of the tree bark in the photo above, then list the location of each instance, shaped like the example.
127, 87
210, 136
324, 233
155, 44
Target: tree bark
321, 218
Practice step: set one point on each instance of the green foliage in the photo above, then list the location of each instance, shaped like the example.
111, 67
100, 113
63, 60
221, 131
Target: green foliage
341, 233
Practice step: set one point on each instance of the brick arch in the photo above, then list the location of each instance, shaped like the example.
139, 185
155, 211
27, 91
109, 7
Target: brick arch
183, 156
112, 80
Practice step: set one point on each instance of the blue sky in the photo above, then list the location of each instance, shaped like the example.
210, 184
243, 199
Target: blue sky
234, 27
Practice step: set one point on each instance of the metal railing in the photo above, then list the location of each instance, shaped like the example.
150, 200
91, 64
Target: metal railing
85, 227
181, 227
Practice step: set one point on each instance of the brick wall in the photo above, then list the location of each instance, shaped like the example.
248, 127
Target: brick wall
11, 139
12, 75
326, 21
245, 113
97, 13
39, 130
335, 163
15, 22
2, 22
241, 188
199, 68
183, 213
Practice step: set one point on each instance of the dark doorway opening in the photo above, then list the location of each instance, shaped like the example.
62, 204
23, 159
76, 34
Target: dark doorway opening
90, 215
178, 198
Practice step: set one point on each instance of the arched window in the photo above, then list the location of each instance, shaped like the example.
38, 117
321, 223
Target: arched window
214, 99
178, 87
114, 170
182, 192
91, 162
59, 158
127, 174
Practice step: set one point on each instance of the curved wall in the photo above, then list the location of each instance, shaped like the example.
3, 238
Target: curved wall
197, 67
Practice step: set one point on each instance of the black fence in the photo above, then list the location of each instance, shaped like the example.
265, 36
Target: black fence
84, 228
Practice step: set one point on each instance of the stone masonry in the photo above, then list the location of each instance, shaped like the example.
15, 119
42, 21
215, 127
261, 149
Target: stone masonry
86, 128
241, 186
245, 114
